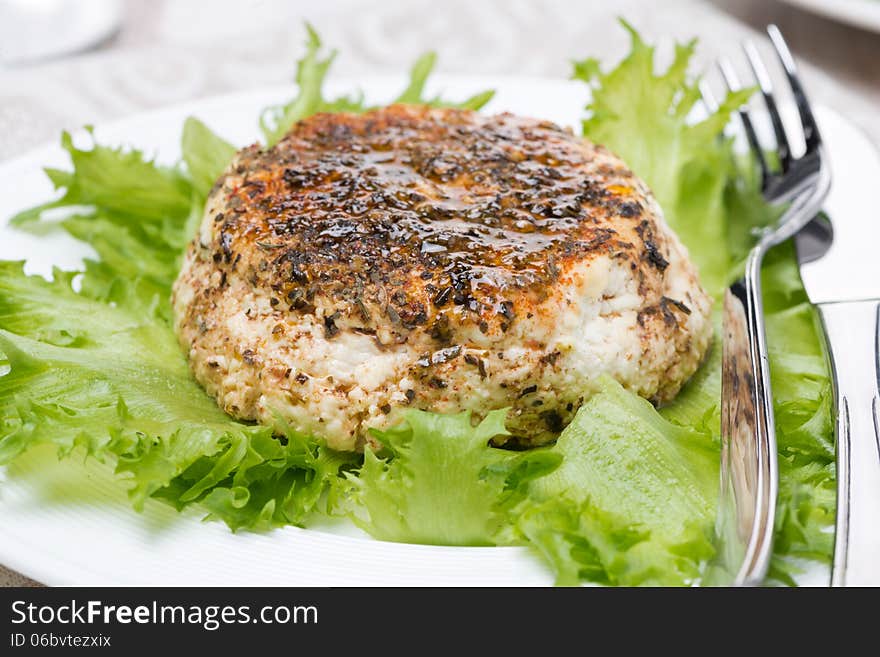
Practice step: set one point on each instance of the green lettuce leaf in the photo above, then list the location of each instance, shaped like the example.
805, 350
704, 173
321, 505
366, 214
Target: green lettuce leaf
803, 405
311, 71
121, 181
111, 379
414, 94
634, 500
442, 483
205, 153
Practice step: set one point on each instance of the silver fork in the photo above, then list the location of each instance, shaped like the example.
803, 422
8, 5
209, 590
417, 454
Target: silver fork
749, 470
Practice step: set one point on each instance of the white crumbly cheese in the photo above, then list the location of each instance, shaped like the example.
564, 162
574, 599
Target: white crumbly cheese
609, 312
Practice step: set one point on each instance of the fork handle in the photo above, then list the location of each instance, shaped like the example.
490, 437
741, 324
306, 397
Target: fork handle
756, 491
851, 330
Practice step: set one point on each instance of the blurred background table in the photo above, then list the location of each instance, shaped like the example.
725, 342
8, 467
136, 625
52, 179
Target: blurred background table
168, 51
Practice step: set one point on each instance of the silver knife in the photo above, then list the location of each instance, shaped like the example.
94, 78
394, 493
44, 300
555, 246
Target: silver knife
844, 284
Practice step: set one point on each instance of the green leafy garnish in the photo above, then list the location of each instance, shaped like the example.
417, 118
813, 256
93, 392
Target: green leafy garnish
442, 484
414, 94
206, 155
310, 74
633, 501
117, 180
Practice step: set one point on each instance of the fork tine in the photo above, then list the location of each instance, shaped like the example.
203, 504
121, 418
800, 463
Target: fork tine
708, 97
732, 81
811, 130
763, 79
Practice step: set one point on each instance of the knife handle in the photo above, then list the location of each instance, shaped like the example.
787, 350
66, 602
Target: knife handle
851, 330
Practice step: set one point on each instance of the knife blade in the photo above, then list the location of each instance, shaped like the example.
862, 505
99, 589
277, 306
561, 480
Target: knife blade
844, 284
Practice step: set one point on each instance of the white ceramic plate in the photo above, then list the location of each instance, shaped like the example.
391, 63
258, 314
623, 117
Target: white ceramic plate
861, 13
32, 30
70, 523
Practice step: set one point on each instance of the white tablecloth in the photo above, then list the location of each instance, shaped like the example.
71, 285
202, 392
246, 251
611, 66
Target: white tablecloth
168, 52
